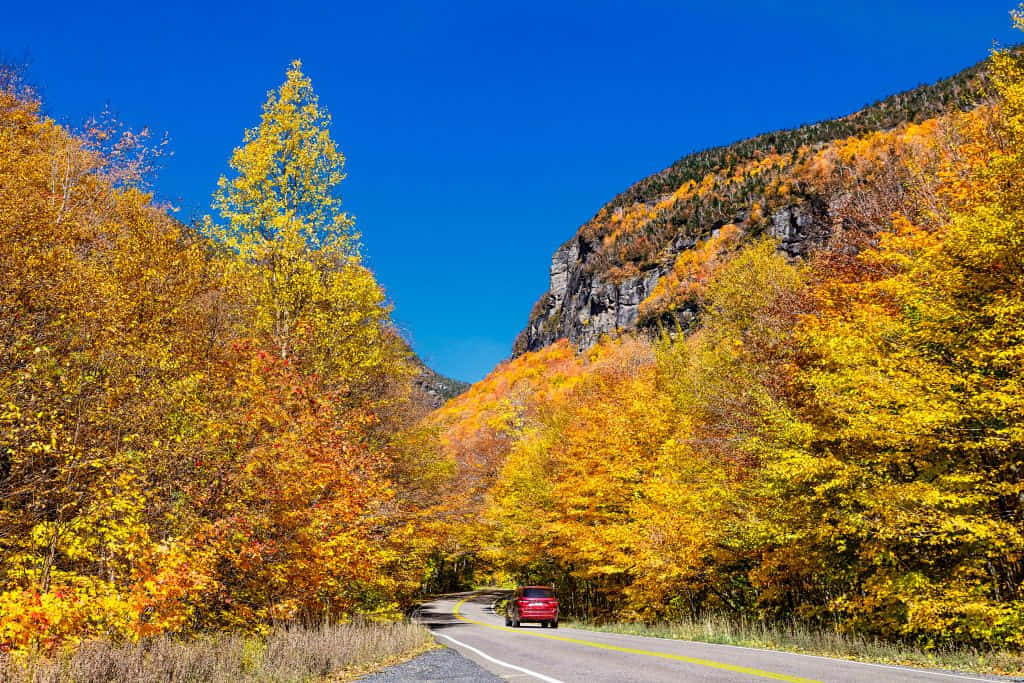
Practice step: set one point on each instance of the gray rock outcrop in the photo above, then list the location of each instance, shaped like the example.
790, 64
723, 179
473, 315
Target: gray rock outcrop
581, 306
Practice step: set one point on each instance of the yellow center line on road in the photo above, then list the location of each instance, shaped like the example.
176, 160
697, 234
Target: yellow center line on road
648, 653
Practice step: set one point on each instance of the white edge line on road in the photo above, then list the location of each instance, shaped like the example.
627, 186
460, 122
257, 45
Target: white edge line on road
498, 661
907, 669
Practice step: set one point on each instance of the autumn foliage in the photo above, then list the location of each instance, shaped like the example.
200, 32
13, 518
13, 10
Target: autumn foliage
839, 440
215, 426
197, 427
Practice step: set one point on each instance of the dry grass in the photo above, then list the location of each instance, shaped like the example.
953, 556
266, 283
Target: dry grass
286, 654
819, 641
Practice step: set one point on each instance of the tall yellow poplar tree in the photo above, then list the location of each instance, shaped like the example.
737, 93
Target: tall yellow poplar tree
298, 263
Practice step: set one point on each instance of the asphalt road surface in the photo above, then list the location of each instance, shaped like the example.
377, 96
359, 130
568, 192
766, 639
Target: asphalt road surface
467, 624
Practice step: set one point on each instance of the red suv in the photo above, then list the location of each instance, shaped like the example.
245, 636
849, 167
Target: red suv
533, 603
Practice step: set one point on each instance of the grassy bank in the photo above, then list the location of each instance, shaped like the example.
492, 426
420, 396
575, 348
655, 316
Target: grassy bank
823, 642
286, 654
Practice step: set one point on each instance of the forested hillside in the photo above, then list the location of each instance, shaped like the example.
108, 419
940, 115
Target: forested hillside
616, 273
199, 428
836, 439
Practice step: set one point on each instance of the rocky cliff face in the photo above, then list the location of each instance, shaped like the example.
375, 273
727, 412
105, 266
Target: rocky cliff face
792, 185
581, 306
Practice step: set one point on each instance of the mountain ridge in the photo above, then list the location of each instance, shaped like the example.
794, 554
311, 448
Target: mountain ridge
602, 279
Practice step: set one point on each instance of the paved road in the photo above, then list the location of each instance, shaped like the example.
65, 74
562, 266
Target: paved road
466, 623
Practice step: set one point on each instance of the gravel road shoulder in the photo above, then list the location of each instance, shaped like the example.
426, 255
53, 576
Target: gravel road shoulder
436, 665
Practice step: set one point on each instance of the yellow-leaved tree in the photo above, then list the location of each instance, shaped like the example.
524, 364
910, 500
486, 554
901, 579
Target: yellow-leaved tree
196, 432
296, 261
328, 401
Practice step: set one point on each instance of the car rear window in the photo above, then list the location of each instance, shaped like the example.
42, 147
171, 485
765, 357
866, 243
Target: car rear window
538, 593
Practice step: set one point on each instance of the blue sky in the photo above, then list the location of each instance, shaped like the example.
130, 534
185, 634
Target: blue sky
479, 135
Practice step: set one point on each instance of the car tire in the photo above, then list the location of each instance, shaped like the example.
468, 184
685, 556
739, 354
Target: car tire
554, 624
508, 622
